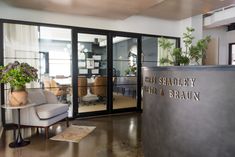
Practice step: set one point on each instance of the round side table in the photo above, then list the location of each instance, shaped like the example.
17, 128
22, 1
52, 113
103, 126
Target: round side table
19, 141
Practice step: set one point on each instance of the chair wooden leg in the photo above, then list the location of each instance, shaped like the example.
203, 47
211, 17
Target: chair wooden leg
67, 121
47, 132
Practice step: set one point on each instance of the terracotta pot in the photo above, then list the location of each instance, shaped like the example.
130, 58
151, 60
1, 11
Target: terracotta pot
18, 98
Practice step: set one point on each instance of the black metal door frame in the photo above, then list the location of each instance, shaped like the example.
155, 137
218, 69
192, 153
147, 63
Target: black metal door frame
75, 72
2, 63
138, 86
109, 36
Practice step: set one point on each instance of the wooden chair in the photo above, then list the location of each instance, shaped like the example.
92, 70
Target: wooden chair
99, 87
82, 87
56, 89
47, 84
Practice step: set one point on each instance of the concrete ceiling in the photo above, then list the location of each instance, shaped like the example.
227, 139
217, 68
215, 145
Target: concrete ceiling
121, 9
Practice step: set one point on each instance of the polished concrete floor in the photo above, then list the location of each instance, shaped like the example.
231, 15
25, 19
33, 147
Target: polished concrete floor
114, 136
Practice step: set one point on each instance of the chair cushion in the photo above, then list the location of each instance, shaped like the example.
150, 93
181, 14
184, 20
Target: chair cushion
36, 96
47, 111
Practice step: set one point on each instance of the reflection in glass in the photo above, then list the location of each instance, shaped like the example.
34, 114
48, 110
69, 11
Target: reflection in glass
161, 53
124, 72
55, 62
152, 53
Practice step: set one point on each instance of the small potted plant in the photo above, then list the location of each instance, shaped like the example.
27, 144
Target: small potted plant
17, 75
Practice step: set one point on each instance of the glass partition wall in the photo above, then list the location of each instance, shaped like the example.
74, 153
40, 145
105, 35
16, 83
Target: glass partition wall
21, 43
94, 71
47, 51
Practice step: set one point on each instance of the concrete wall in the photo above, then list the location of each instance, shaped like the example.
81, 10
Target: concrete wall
139, 24
185, 118
197, 24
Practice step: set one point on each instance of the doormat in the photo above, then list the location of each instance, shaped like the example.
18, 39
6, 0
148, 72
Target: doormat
73, 133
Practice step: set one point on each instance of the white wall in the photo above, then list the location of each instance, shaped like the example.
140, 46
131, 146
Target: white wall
224, 39
138, 24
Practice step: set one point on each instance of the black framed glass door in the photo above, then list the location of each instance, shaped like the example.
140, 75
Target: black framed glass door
107, 72
92, 78
125, 72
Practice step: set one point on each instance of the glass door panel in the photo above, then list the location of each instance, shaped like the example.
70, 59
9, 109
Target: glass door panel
152, 53
124, 72
92, 72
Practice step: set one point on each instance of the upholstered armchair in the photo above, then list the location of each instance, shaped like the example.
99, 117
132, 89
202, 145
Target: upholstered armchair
45, 113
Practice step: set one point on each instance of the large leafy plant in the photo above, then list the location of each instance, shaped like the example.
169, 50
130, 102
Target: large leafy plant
191, 52
17, 74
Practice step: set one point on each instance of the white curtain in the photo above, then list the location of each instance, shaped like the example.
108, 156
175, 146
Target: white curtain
21, 43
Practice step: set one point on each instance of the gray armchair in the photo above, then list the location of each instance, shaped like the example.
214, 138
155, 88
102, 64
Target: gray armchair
45, 113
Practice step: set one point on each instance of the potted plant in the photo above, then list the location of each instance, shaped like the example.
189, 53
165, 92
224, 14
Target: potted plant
192, 53
17, 75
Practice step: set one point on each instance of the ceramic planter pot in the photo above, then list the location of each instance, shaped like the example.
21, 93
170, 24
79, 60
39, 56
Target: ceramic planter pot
18, 97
